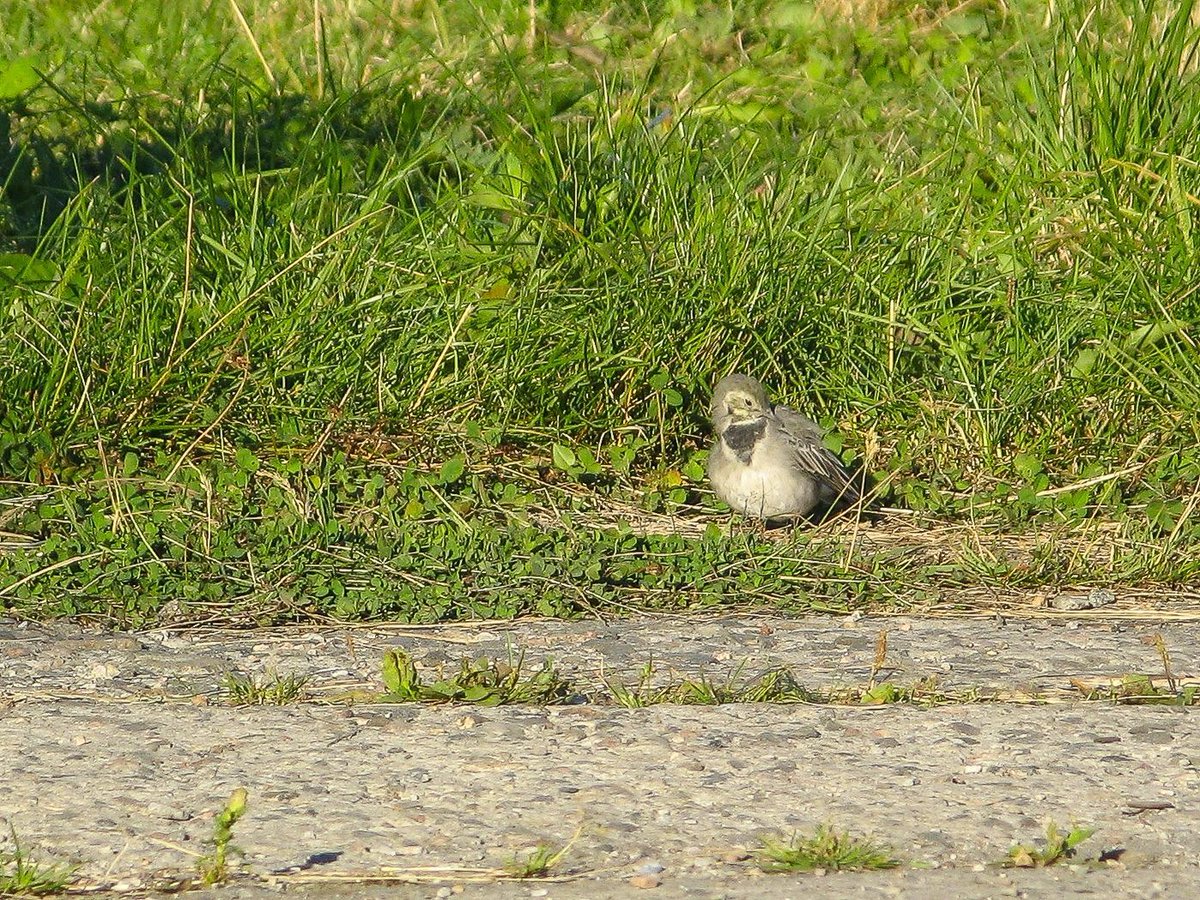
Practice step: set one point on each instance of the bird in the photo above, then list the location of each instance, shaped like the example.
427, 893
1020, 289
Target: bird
770, 462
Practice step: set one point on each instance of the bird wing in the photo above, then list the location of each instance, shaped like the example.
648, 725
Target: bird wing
806, 442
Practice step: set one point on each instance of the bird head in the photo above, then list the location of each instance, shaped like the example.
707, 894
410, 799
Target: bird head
738, 398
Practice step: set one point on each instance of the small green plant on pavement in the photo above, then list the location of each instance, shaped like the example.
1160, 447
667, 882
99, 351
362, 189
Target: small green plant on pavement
1168, 689
21, 876
271, 689
778, 685
541, 860
213, 867
826, 850
483, 682
1059, 846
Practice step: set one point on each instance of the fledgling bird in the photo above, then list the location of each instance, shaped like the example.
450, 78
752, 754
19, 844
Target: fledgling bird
769, 461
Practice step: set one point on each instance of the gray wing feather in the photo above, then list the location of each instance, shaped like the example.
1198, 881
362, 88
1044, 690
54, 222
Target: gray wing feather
805, 440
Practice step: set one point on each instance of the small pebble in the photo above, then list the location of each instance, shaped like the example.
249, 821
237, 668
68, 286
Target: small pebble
645, 882
1093, 599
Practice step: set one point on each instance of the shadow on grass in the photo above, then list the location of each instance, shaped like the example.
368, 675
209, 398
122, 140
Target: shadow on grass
48, 158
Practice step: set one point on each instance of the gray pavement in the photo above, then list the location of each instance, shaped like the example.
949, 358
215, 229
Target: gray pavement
118, 751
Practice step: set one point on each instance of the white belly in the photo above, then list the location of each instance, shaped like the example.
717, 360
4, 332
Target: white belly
766, 492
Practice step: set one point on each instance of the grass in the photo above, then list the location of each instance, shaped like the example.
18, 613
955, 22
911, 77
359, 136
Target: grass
23, 876
1141, 689
826, 850
776, 686
271, 689
484, 682
410, 311
779, 685
489, 682
536, 864
541, 861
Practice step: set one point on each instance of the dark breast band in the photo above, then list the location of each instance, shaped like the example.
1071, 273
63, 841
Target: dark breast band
743, 438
